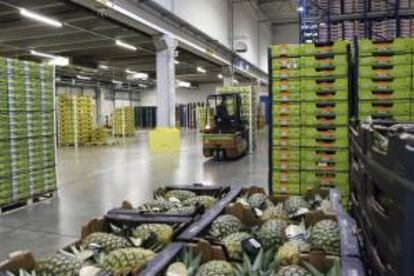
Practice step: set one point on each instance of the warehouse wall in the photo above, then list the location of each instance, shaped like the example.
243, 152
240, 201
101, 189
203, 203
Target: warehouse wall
212, 17
286, 33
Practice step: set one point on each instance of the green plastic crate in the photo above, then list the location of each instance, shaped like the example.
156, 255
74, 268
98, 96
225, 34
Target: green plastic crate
337, 71
287, 142
291, 50
325, 141
315, 108
286, 182
320, 178
285, 120
398, 71
395, 84
286, 63
286, 74
325, 131
286, 85
386, 60
397, 107
390, 95
325, 165
337, 47
286, 108
397, 46
286, 96
284, 164
286, 132
327, 119
333, 95
311, 61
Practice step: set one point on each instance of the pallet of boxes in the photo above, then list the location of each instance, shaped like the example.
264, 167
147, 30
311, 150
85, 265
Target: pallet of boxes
309, 134
27, 133
123, 122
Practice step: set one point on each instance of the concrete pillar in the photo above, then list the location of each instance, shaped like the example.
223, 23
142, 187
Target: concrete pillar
165, 66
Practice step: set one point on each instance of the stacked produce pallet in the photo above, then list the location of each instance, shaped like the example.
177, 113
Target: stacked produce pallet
249, 99
385, 80
75, 115
210, 230
124, 122
27, 133
382, 196
309, 140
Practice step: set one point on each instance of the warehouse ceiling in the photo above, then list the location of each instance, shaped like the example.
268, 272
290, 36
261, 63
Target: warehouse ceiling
279, 11
89, 40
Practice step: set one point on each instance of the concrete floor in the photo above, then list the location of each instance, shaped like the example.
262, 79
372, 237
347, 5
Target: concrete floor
95, 179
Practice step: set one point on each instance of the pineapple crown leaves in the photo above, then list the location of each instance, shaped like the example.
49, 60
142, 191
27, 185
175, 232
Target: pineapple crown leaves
334, 271
191, 261
263, 264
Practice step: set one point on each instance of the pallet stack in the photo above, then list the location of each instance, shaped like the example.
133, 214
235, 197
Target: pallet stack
124, 122
385, 79
75, 120
249, 107
309, 137
27, 134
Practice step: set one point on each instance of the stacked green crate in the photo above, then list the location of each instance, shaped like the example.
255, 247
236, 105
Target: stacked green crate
27, 134
310, 117
75, 120
385, 79
249, 100
286, 119
124, 121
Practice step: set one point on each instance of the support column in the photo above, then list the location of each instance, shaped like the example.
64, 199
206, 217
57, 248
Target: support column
227, 76
99, 96
165, 138
165, 80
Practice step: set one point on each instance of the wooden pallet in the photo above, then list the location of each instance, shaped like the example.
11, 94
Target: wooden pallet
35, 199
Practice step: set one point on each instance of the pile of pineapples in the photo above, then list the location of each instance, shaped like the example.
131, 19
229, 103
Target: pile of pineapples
282, 234
177, 202
113, 253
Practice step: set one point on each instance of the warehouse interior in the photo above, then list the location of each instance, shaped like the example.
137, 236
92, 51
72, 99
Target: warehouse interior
219, 137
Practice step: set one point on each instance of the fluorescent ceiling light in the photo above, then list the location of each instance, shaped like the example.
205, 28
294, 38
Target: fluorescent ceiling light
59, 61
300, 9
142, 85
184, 84
308, 41
220, 76
235, 81
40, 54
104, 67
125, 45
116, 82
83, 77
137, 75
176, 62
40, 18
201, 70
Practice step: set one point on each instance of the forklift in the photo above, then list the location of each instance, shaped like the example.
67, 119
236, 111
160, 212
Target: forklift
225, 134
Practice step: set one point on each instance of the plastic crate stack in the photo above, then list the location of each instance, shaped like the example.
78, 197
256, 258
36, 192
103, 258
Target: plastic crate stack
385, 79
75, 115
27, 140
382, 196
309, 137
249, 100
124, 122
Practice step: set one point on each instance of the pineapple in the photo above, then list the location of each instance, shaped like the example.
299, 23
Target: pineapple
177, 269
216, 268
272, 233
207, 201
125, 260
107, 241
186, 266
181, 195
233, 244
163, 232
259, 201
294, 203
325, 235
293, 270
263, 265
182, 210
225, 225
275, 212
60, 264
160, 205
334, 271
288, 254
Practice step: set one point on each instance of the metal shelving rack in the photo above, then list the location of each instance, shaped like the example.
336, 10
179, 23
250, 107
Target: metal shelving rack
317, 19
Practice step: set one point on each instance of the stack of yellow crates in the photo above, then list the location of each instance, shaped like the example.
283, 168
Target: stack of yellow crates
124, 124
